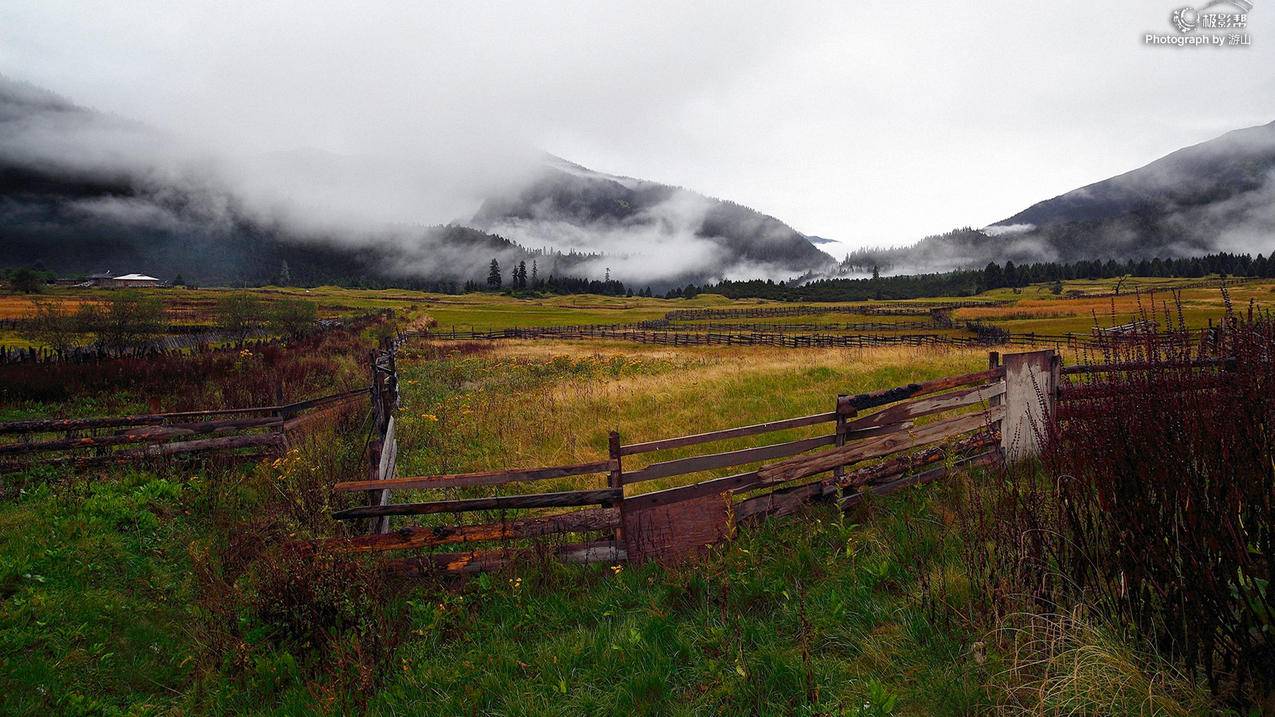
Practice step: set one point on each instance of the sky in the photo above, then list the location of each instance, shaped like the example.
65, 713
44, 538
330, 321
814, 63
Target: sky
874, 124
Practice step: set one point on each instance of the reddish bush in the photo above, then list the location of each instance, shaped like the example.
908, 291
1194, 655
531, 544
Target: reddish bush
323, 362
1164, 479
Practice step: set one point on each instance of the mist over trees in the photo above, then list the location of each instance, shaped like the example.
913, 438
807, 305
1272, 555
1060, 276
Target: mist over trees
993, 276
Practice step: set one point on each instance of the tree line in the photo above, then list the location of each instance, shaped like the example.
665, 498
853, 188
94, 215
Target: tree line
968, 282
528, 280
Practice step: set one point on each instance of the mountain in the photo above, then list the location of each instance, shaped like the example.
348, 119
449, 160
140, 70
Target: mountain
82, 191
679, 234
1214, 196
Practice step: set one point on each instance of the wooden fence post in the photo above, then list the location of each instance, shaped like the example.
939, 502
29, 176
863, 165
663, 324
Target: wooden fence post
843, 409
1030, 395
615, 480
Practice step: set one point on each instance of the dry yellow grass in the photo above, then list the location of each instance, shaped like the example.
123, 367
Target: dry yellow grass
1068, 664
649, 392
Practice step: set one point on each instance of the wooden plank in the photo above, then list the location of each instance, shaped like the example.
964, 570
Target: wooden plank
890, 395
930, 405
604, 551
739, 481
469, 480
1030, 393
385, 471
209, 444
784, 424
58, 425
134, 456
536, 500
740, 457
783, 501
675, 532
804, 466
578, 521
990, 458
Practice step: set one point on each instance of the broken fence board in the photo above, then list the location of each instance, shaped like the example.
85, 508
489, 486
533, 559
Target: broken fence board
805, 466
743, 456
479, 560
579, 521
537, 500
469, 480
770, 426
58, 425
929, 405
890, 395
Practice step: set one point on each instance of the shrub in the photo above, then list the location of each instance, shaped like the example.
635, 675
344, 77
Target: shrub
1164, 488
130, 320
238, 315
54, 327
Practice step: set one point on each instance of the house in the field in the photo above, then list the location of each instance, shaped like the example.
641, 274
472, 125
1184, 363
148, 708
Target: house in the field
134, 280
125, 281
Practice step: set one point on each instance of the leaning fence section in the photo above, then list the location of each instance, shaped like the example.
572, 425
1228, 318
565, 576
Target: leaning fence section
235, 433
640, 503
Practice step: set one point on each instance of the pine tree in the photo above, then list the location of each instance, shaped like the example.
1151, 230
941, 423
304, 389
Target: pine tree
493, 275
520, 276
285, 276
533, 272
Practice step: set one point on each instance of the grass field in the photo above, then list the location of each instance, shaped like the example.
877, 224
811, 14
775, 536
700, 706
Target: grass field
1033, 309
156, 592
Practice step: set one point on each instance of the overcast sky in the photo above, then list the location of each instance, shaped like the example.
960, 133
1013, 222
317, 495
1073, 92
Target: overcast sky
871, 123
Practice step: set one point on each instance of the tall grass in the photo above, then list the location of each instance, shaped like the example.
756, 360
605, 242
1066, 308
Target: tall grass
324, 362
1158, 500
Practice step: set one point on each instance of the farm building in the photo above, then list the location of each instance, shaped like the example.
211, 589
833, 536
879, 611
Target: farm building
124, 281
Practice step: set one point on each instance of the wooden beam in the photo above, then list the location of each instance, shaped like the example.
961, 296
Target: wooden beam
578, 521
536, 500
741, 457
58, 425
804, 466
470, 480
917, 408
890, 395
604, 551
784, 424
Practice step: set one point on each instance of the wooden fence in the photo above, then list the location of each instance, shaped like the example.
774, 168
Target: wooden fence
382, 446
176, 341
237, 433
759, 338
630, 513
878, 309
1081, 385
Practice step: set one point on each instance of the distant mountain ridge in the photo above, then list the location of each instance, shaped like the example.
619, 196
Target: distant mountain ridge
76, 197
632, 217
1215, 196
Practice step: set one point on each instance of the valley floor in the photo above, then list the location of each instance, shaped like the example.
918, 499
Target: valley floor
156, 592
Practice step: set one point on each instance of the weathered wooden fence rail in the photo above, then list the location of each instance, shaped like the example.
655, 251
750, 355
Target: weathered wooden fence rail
879, 309
758, 338
177, 341
632, 513
266, 430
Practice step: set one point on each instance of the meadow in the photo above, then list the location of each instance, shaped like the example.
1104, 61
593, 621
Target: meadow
164, 589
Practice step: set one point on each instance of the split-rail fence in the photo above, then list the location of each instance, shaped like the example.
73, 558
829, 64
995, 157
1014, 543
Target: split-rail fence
874, 442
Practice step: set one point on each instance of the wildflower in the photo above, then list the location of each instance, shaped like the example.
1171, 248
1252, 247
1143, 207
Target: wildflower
615, 569
429, 417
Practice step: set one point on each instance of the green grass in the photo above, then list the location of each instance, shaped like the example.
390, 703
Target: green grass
107, 605
810, 615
